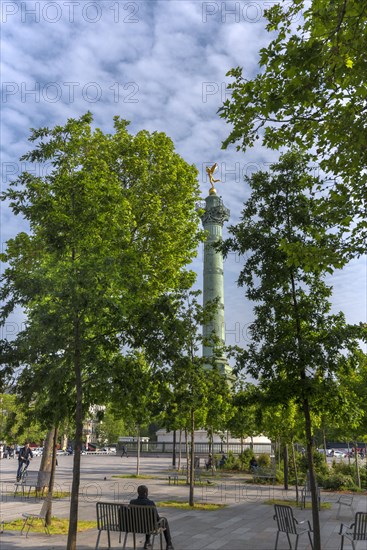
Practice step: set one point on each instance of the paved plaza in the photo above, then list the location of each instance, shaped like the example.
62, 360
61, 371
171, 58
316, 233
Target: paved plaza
246, 523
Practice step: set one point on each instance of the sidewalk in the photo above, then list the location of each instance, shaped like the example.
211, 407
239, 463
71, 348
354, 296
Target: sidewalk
246, 523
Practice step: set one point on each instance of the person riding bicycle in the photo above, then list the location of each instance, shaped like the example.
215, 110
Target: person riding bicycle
24, 456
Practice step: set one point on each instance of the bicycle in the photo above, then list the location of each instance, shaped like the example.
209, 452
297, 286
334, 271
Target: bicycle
22, 471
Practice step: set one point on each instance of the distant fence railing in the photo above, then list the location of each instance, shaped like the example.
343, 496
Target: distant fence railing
164, 447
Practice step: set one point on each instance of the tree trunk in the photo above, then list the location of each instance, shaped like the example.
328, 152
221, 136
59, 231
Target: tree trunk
210, 437
295, 472
358, 476
174, 450
187, 458
74, 501
138, 452
180, 451
52, 476
279, 447
192, 460
311, 468
286, 468
324, 443
308, 423
46, 460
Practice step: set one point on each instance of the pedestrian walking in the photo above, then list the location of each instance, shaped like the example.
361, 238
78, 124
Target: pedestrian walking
124, 451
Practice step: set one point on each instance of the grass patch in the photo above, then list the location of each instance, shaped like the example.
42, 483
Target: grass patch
207, 506
59, 526
55, 495
133, 476
197, 483
293, 503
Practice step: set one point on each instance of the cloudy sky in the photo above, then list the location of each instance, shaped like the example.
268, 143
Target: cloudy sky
159, 64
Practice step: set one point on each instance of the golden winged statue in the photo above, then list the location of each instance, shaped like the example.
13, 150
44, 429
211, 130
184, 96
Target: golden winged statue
210, 171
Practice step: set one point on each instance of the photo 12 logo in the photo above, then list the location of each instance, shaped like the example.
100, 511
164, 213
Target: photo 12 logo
219, 90
235, 172
53, 12
11, 170
68, 92
240, 12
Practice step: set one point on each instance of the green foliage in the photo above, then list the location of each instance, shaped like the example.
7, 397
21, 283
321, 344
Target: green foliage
232, 462
321, 468
338, 482
310, 91
264, 461
246, 416
245, 457
343, 468
350, 470
110, 427
112, 225
297, 346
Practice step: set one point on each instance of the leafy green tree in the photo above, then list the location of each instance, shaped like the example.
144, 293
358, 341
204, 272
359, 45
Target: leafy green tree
351, 425
297, 346
112, 226
17, 422
311, 91
193, 392
247, 412
110, 427
282, 422
135, 394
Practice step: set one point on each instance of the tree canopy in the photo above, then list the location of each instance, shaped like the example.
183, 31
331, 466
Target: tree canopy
311, 91
297, 346
112, 226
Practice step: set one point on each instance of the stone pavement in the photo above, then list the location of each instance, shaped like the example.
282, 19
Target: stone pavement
246, 523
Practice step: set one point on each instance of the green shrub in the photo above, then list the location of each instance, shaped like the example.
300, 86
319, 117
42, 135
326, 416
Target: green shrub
338, 482
264, 461
245, 457
363, 475
232, 463
350, 470
343, 468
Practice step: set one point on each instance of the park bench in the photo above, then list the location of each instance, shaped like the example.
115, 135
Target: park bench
263, 473
39, 480
144, 520
124, 518
112, 517
173, 478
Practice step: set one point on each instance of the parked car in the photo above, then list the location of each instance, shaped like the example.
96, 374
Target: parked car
60, 452
338, 454
38, 451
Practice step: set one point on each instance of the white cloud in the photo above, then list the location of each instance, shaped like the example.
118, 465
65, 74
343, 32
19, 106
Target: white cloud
161, 65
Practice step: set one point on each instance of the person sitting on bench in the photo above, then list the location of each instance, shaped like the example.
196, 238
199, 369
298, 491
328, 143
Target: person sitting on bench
143, 500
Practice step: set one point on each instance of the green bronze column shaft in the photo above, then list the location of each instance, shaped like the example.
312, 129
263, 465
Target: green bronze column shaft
213, 218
